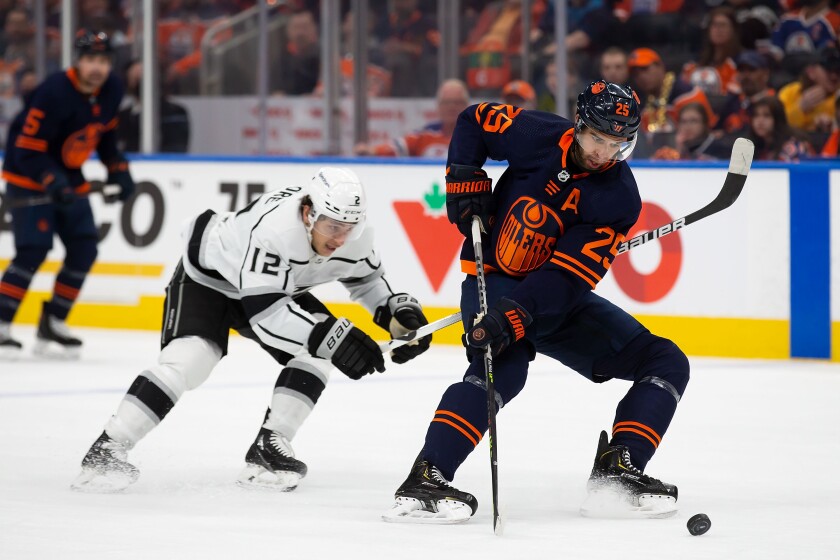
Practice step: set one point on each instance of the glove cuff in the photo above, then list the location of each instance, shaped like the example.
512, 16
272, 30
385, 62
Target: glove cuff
467, 179
516, 316
327, 335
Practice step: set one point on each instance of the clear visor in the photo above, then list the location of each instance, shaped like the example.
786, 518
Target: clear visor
600, 148
335, 230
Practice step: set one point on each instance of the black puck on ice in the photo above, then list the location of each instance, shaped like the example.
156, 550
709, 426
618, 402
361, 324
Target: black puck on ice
699, 524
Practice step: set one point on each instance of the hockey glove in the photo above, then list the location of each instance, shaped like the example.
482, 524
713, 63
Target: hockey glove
401, 315
58, 187
469, 192
348, 348
122, 178
503, 324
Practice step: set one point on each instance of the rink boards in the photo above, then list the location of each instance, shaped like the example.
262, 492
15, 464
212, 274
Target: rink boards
752, 281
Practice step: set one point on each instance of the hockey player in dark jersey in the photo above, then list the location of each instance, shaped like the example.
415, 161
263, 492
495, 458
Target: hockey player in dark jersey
555, 221
68, 116
252, 271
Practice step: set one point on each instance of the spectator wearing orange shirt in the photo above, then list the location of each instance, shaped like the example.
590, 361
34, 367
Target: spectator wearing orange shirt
433, 141
831, 149
714, 71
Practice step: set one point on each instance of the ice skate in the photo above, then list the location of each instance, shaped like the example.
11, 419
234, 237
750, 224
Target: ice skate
10, 348
270, 463
427, 497
105, 468
54, 339
616, 488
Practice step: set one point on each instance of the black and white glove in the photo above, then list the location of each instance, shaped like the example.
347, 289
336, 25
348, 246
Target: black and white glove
346, 346
399, 316
469, 192
58, 187
118, 174
503, 324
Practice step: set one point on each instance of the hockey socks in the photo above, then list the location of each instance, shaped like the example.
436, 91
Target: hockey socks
644, 414
459, 424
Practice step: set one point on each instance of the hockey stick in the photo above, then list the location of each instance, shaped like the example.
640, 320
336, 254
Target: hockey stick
498, 526
739, 166
108, 191
432, 327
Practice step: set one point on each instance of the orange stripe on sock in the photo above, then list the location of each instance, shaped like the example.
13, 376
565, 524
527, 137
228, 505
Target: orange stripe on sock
12, 291
650, 430
457, 427
462, 420
635, 431
65, 291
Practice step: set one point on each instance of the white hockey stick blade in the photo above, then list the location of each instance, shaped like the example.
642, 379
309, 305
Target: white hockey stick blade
499, 524
432, 327
742, 156
410, 510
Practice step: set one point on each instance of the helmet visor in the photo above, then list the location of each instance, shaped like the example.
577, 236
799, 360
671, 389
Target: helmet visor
337, 231
602, 147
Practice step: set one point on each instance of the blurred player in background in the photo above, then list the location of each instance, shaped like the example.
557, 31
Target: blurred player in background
68, 116
433, 140
555, 221
252, 271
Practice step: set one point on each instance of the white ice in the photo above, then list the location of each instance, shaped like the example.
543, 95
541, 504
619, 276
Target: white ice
754, 444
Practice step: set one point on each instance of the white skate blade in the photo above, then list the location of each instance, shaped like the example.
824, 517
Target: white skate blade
255, 476
96, 482
55, 351
610, 504
410, 510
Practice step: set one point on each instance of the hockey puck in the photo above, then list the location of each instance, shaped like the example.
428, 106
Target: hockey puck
699, 524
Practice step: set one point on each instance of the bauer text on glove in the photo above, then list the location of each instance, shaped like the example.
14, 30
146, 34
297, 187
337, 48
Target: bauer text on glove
347, 347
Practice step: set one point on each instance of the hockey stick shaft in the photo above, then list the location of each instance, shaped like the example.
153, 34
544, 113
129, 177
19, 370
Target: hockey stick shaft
736, 177
488, 370
40, 200
425, 330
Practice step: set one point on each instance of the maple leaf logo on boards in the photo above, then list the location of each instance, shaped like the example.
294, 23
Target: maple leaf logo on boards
435, 241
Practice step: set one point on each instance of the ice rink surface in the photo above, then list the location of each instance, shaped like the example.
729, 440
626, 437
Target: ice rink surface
755, 445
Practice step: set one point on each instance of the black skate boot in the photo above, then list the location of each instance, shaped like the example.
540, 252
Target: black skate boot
427, 497
618, 489
9, 347
54, 339
105, 467
270, 463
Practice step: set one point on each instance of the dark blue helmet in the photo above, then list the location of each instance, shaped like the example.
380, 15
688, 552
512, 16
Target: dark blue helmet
610, 109
92, 42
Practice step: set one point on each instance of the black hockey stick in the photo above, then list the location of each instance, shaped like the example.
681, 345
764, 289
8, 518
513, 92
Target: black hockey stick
498, 525
110, 193
739, 166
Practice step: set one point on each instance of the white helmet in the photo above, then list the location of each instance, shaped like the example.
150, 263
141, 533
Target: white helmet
338, 194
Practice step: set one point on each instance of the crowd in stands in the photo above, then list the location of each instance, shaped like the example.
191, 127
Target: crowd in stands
707, 71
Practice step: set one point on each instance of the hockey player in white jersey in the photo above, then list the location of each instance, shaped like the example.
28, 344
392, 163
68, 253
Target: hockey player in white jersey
252, 271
